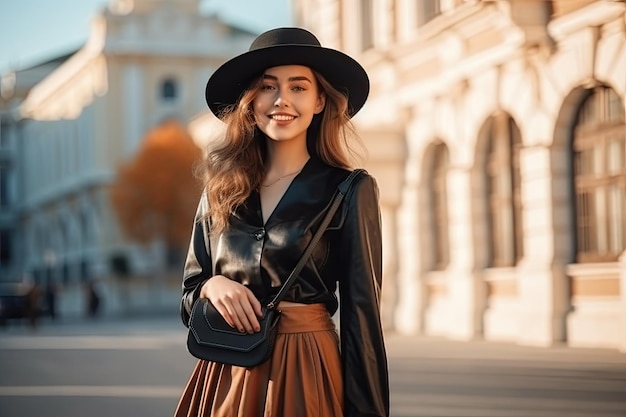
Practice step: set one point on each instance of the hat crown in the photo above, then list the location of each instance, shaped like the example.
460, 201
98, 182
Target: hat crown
284, 36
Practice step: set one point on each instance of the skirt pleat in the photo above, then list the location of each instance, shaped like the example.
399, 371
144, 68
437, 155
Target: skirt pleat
302, 378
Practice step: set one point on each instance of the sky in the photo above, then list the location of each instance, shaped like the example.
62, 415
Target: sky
32, 31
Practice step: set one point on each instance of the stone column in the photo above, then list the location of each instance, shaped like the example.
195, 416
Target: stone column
411, 297
542, 281
386, 149
466, 294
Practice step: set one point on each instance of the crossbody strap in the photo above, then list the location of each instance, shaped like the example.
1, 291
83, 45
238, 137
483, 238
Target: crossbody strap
342, 190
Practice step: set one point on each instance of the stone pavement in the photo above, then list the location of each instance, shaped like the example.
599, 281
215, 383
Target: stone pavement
437, 377
428, 376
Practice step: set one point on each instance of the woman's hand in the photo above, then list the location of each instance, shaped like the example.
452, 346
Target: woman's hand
235, 302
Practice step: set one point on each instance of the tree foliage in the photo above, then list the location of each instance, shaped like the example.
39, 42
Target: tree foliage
156, 194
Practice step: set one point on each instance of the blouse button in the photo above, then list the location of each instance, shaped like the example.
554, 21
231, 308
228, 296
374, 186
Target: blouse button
259, 234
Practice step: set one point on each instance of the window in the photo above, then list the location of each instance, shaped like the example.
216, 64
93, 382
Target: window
561, 7
4, 186
599, 169
367, 24
439, 207
84, 270
65, 273
4, 134
169, 90
427, 10
504, 193
85, 232
6, 251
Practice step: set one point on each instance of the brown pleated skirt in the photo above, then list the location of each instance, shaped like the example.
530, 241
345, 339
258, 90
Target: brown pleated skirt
302, 378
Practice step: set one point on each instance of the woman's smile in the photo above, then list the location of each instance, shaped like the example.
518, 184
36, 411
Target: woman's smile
282, 118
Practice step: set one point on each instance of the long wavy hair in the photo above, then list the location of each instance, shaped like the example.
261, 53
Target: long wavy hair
236, 166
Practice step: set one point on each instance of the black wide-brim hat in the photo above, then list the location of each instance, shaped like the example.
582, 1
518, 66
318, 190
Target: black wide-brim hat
287, 46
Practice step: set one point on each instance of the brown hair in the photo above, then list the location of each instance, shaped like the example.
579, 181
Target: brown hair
237, 166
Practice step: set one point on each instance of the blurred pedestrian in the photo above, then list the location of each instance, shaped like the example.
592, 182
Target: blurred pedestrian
93, 299
287, 105
50, 294
33, 302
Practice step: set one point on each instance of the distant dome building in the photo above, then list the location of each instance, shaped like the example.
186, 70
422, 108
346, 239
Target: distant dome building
145, 60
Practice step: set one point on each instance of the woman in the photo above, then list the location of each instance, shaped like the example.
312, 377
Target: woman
287, 105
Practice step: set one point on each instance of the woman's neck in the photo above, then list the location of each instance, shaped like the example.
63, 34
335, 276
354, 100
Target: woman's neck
284, 158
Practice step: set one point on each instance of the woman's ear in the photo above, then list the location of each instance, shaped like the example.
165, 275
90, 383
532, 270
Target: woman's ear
321, 102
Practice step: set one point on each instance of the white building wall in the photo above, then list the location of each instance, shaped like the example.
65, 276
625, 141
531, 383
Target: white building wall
442, 82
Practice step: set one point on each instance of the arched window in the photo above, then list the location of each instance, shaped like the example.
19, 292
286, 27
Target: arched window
439, 207
86, 230
599, 169
504, 192
169, 89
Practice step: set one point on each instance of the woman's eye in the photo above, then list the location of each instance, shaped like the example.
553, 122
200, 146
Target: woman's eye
298, 88
267, 87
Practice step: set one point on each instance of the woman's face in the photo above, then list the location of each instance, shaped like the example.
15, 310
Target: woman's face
286, 102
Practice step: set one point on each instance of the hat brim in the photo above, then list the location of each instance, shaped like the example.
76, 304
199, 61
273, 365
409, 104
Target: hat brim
230, 80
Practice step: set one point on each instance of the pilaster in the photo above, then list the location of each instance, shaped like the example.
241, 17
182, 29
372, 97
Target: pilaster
385, 151
465, 289
542, 283
411, 295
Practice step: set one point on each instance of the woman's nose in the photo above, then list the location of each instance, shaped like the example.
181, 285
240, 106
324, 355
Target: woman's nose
281, 99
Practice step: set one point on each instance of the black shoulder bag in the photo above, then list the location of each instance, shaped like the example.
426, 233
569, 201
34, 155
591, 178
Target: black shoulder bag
211, 338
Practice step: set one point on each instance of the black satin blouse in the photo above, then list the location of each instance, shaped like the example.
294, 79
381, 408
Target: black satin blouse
261, 256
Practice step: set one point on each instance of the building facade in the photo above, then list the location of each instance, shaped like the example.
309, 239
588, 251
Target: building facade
14, 87
144, 61
496, 130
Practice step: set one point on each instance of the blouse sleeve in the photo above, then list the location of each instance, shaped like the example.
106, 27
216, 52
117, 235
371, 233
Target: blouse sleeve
364, 359
198, 263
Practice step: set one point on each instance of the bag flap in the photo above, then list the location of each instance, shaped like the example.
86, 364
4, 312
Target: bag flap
210, 329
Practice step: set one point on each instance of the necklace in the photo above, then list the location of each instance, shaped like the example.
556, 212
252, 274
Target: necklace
281, 178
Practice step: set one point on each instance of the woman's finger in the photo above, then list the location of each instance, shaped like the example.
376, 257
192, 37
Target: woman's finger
242, 310
254, 302
251, 317
247, 316
236, 314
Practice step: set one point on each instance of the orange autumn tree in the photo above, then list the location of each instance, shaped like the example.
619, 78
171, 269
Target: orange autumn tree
156, 194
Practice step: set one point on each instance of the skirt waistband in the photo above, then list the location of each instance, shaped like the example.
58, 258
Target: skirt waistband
309, 318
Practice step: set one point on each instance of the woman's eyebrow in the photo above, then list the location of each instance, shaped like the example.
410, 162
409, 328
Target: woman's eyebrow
296, 78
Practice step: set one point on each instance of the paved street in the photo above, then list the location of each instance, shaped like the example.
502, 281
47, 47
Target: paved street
138, 367
430, 377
